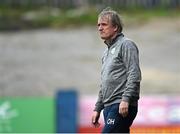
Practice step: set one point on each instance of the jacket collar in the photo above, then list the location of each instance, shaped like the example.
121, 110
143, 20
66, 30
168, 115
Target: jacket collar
109, 43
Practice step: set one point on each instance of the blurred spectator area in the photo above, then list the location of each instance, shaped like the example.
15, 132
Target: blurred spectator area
82, 3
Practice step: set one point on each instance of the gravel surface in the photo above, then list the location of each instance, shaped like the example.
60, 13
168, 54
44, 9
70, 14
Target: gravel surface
40, 62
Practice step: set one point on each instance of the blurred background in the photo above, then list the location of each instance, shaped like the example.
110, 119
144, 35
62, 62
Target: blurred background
50, 63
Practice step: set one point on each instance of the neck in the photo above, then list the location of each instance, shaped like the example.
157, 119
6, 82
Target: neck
112, 38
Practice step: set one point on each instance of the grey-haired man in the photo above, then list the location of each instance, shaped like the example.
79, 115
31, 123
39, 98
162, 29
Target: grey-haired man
120, 76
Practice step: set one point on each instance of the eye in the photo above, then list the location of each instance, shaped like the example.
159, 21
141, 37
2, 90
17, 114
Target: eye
104, 24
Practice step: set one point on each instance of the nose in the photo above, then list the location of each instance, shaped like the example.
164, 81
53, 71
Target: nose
100, 28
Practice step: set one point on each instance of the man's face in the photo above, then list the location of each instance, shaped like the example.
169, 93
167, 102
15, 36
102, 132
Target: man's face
105, 28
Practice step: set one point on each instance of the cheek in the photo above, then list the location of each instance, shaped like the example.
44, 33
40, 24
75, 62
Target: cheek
110, 32
107, 31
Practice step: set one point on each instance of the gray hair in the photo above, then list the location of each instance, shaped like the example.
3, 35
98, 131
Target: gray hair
114, 17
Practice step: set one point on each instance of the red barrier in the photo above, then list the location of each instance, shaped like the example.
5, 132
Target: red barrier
138, 129
89, 130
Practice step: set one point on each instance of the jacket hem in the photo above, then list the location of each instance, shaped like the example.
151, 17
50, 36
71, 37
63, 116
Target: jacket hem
134, 103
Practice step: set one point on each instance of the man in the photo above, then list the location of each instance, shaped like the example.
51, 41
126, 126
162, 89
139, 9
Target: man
120, 76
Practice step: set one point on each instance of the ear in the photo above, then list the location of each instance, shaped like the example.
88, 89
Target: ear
115, 28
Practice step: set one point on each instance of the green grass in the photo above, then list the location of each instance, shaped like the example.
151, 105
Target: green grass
21, 18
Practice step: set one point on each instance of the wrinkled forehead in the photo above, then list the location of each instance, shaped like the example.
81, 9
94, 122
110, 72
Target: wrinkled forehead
104, 18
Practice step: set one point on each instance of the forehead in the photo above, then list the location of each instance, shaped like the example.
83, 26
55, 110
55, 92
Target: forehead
104, 19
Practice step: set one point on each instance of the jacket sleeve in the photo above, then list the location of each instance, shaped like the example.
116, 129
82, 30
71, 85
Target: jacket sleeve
99, 104
130, 56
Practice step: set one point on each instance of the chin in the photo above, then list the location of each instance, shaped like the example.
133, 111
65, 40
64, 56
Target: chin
104, 38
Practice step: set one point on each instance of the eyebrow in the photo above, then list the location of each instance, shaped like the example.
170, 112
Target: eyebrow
101, 24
